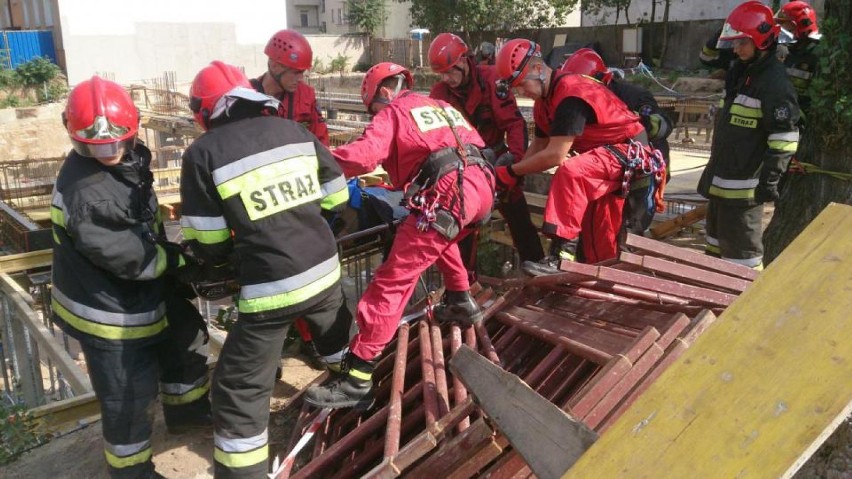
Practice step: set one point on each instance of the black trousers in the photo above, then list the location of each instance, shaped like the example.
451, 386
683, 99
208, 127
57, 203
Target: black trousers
735, 233
127, 377
245, 375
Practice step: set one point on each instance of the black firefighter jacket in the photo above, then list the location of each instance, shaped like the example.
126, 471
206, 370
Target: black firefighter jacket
253, 191
756, 134
108, 259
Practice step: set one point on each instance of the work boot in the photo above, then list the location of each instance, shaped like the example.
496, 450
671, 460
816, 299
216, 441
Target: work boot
352, 387
458, 307
560, 250
310, 355
183, 418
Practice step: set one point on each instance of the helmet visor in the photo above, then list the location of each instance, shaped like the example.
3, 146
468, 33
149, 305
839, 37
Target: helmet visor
223, 106
728, 35
102, 150
102, 130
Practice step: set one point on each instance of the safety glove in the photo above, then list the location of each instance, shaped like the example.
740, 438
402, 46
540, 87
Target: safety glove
506, 178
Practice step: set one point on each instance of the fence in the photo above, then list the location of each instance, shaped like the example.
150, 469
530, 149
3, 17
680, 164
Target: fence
404, 51
21, 46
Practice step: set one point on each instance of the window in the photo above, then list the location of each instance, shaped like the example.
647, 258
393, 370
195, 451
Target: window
303, 17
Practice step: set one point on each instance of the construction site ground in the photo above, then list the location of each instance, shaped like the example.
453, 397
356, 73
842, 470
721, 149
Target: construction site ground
78, 454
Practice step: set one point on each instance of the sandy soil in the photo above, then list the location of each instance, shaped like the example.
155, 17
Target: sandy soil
184, 456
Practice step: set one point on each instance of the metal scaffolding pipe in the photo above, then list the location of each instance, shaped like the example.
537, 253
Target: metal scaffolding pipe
440, 370
459, 391
430, 396
397, 387
570, 345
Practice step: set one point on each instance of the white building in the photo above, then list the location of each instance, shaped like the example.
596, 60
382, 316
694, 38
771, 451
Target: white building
679, 10
331, 17
134, 40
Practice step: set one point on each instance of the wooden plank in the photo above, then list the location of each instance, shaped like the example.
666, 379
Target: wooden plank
761, 390
692, 257
686, 273
672, 226
458, 451
549, 439
66, 415
635, 280
14, 263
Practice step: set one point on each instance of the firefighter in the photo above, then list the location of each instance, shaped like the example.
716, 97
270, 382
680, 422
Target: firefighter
574, 115
799, 19
469, 88
755, 137
290, 56
640, 207
253, 189
432, 152
113, 285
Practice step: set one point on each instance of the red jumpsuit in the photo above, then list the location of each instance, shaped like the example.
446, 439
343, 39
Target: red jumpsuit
400, 138
581, 195
503, 128
301, 107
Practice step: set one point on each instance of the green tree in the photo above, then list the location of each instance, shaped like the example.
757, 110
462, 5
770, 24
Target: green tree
368, 16
827, 140
473, 17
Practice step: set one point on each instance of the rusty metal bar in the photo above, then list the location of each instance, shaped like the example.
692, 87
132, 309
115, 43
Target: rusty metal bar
545, 366
459, 391
573, 347
440, 370
397, 388
430, 396
369, 455
485, 342
317, 467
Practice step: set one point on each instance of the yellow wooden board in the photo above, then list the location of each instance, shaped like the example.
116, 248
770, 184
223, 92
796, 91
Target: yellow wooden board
762, 388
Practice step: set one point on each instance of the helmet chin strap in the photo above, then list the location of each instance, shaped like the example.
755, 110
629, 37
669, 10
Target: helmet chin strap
386, 101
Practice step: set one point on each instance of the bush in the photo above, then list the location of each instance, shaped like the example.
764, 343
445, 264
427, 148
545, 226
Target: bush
339, 64
17, 432
318, 66
361, 67
37, 71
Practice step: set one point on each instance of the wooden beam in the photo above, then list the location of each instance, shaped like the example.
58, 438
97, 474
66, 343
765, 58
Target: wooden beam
763, 388
14, 263
672, 226
549, 440
66, 415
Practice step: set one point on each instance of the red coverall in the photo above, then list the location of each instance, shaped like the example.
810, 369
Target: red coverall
503, 128
301, 107
400, 138
584, 195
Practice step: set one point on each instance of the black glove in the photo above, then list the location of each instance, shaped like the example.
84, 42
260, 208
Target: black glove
190, 271
174, 252
765, 193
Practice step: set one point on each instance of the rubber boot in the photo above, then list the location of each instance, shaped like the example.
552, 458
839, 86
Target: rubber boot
458, 307
352, 387
189, 417
560, 250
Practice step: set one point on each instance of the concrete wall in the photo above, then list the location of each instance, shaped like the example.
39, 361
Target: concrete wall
327, 47
142, 39
680, 10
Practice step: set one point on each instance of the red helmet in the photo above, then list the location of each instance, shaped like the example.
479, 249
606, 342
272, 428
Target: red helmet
750, 20
101, 119
513, 59
586, 61
218, 80
291, 49
803, 17
445, 51
377, 74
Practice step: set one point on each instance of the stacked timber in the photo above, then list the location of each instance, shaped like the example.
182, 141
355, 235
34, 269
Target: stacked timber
590, 340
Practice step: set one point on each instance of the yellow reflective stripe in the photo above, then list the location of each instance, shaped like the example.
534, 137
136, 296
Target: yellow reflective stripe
743, 122
335, 199
140, 457
162, 261
57, 216
265, 174
360, 375
712, 249
181, 261
708, 53
206, 236
241, 459
747, 112
107, 331
296, 296
187, 397
56, 238
744, 194
780, 145
759, 267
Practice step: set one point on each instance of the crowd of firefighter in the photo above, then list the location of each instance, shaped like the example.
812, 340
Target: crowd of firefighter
260, 188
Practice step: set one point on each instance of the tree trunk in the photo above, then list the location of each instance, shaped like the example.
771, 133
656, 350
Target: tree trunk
650, 49
825, 142
665, 32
